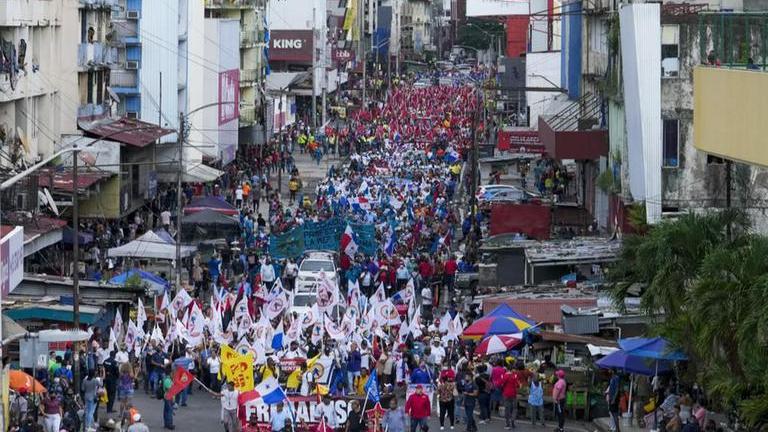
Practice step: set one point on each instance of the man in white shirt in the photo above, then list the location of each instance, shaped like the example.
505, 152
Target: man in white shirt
268, 273
214, 366
165, 218
327, 411
239, 196
121, 357
229, 408
294, 352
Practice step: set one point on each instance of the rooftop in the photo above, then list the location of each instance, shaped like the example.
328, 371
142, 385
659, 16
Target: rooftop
127, 131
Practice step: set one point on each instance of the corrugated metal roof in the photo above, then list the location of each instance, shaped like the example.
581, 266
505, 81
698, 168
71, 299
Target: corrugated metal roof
63, 180
128, 131
541, 310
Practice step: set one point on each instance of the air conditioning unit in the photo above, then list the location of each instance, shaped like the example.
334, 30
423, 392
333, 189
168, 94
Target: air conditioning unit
132, 14
132, 64
132, 115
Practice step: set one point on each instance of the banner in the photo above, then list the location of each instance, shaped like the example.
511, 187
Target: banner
325, 235
520, 141
287, 245
303, 407
237, 368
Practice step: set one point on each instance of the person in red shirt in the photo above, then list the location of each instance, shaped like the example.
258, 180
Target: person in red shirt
509, 384
419, 409
450, 273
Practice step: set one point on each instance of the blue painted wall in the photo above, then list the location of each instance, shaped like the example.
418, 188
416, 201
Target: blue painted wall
570, 55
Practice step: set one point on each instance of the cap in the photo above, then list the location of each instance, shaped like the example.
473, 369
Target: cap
560, 373
419, 387
137, 417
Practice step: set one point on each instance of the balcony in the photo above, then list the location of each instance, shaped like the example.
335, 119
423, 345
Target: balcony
22, 85
91, 55
576, 131
248, 76
729, 107
232, 4
247, 114
126, 30
124, 82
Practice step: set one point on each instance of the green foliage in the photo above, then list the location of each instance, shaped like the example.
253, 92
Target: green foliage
636, 217
608, 183
708, 276
134, 281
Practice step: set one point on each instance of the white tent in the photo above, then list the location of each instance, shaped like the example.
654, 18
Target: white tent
150, 245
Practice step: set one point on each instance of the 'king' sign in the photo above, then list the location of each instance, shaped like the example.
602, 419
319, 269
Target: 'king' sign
291, 45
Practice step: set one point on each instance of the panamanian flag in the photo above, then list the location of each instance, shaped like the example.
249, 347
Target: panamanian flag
348, 243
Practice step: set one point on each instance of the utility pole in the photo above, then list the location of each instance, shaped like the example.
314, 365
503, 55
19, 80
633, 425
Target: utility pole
180, 167
314, 72
76, 261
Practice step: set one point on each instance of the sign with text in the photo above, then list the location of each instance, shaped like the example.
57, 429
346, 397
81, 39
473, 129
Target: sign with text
291, 45
342, 55
303, 407
520, 142
325, 235
11, 260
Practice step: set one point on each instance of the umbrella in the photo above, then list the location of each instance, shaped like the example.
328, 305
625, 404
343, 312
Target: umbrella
502, 320
498, 344
19, 380
653, 348
154, 281
632, 364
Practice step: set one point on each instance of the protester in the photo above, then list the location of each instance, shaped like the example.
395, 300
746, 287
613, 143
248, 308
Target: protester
509, 385
418, 408
137, 425
229, 405
279, 417
536, 401
445, 397
558, 396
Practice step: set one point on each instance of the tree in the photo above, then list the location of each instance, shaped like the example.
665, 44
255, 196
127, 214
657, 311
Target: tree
479, 34
707, 276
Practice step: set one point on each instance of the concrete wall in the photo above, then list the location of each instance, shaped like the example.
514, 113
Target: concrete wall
542, 69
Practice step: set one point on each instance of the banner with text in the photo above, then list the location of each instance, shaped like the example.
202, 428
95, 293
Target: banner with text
324, 235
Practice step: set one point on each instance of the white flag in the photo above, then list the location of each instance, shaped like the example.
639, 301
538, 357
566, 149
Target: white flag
294, 332
130, 335
327, 294
317, 333
415, 326
277, 305
117, 325
402, 334
445, 322
310, 317
379, 296
181, 301
195, 326
141, 315
112, 340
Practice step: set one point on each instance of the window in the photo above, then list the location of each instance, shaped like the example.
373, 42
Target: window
671, 139
714, 160
670, 50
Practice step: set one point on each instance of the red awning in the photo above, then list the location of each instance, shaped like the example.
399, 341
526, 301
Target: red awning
62, 180
127, 131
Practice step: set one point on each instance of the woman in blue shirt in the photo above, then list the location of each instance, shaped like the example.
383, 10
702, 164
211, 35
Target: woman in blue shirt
536, 401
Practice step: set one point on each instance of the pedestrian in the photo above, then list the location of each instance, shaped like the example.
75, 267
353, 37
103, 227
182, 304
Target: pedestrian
394, 418
470, 392
558, 396
278, 417
445, 396
482, 380
214, 367
52, 411
111, 375
125, 387
326, 413
418, 408
91, 387
612, 398
509, 385
229, 406
355, 420
536, 401
167, 382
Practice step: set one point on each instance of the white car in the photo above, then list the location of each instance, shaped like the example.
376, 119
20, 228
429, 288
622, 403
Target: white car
310, 268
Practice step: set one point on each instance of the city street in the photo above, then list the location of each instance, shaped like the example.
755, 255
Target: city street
202, 414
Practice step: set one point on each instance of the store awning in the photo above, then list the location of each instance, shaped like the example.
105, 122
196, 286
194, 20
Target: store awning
125, 130
283, 81
201, 173
59, 313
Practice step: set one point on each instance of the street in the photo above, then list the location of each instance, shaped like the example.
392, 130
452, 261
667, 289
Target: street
202, 414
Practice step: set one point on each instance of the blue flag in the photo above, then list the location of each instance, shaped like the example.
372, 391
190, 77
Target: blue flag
372, 388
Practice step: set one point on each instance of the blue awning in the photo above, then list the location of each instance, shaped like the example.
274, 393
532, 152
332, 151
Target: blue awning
49, 314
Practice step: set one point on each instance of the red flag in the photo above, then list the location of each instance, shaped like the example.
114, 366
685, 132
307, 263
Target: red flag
181, 379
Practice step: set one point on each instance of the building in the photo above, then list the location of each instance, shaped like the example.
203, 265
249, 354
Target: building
416, 28
97, 53
251, 15
38, 77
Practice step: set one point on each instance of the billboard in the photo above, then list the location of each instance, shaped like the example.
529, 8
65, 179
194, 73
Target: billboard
520, 142
479, 8
11, 260
291, 45
229, 96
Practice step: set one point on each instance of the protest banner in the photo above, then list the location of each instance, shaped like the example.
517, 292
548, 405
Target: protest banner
303, 408
287, 245
239, 370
